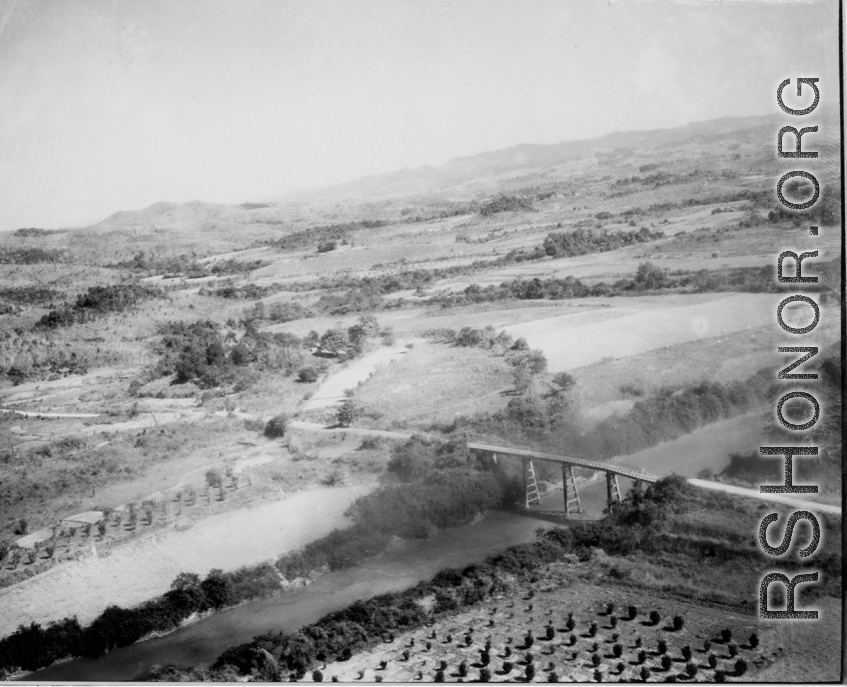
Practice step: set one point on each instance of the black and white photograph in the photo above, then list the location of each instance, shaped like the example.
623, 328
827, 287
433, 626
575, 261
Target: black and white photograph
421, 341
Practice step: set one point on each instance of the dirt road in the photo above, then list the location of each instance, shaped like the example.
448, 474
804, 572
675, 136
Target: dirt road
775, 498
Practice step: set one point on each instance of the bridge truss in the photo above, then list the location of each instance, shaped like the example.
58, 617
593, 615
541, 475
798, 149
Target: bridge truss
568, 463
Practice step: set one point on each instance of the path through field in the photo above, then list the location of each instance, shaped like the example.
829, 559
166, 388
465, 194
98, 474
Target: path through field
331, 391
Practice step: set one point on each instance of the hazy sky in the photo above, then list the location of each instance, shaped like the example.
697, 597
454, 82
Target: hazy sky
109, 105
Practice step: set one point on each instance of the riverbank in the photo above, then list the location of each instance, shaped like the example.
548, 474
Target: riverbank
146, 568
403, 566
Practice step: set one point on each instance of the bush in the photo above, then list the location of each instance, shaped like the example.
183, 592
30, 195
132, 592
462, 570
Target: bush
754, 640
726, 635
712, 661
662, 646
632, 612
485, 675
277, 426
308, 375
655, 618
667, 662
740, 667
644, 673
691, 669
678, 622
686, 652
642, 656
617, 650
592, 630
317, 676
733, 649
347, 413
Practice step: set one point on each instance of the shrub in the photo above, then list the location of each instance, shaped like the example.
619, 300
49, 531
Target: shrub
632, 612
662, 646
691, 669
317, 676
592, 630
678, 622
655, 618
347, 413
644, 673
712, 661
642, 656
733, 649
529, 673
213, 478
308, 375
726, 635
551, 632
553, 677
754, 640
485, 675
598, 676
617, 650
277, 426
439, 676
610, 608
595, 659
667, 662
740, 667
720, 676
463, 669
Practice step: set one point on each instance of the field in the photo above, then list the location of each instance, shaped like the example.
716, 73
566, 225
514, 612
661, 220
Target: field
211, 385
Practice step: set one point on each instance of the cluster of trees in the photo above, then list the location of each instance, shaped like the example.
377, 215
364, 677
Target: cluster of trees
323, 235
36, 646
431, 486
582, 241
281, 311
28, 256
248, 291
826, 211
667, 414
647, 278
98, 301
186, 266
826, 434
30, 295
203, 353
661, 178
506, 203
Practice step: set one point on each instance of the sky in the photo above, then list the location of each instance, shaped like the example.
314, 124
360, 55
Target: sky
115, 105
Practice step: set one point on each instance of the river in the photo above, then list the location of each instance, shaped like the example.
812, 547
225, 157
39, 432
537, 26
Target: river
403, 566
398, 569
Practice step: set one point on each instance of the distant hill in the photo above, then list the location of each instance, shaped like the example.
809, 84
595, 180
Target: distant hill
482, 174
483, 171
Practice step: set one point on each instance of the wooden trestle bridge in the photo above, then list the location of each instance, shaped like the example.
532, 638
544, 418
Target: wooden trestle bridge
568, 463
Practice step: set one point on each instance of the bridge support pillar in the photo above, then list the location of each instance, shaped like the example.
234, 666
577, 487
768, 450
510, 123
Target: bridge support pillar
530, 485
613, 491
572, 504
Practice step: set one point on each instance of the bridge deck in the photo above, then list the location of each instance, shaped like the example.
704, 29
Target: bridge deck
632, 473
